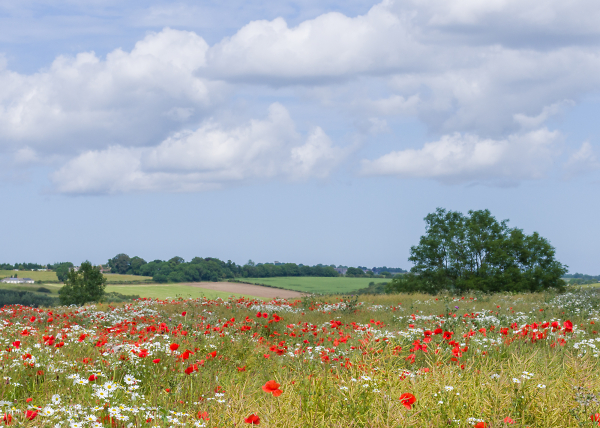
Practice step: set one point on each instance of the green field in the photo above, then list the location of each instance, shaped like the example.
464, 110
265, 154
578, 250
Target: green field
316, 284
35, 275
162, 291
117, 278
51, 276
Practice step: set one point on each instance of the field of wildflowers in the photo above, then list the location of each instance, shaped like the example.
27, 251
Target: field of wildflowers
381, 361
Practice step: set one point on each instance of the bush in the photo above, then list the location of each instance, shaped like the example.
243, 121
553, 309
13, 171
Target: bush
43, 290
25, 298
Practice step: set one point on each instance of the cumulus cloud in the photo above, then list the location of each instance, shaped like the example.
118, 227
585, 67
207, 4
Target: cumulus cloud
206, 158
459, 158
84, 101
487, 77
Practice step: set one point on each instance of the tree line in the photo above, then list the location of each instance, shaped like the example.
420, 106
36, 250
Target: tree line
177, 269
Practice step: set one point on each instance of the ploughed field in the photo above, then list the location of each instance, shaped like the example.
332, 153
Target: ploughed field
383, 361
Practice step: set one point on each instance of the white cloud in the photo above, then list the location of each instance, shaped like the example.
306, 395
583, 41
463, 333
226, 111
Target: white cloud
84, 102
460, 158
582, 161
207, 158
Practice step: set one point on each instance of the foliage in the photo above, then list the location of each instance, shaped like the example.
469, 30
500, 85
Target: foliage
25, 298
476, 252
62, 270
355, 272
374, 288
210, 269
83, 286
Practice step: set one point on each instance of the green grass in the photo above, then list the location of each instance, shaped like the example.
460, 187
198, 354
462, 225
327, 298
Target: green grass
318, 285
118, 278
162, 291
35, 275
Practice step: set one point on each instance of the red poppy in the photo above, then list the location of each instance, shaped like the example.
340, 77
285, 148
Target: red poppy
17, 344
156, 360
7, 419
173, 346
272, 387
203, 415
184, 313
92, 378
252, 419
407, 400
29, 400
508, 420
241, 369
480, 425
596, 417
30, 414
568, 325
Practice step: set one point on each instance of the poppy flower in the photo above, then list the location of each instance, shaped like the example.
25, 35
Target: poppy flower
568, 326
508, 420
595, 417
241, 369
272, 387
92, 378
203, 415
30, 414
173, 346
407, 400
7, 419
480, 425
156, 360
252, 419
184, 313
17, 344
29, 400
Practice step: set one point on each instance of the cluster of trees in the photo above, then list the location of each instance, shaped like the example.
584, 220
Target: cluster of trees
20, 266
210, 269
581, 279
476, 252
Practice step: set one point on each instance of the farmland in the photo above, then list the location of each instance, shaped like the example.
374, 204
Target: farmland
381, 361
317, 285
51, 277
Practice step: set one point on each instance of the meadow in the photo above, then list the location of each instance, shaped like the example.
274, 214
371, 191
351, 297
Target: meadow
316, 284
381, 361
51, 277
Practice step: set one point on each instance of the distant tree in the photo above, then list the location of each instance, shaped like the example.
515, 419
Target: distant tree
136, 264
352, 271
120, 263
83, 286
476, 252
62, 270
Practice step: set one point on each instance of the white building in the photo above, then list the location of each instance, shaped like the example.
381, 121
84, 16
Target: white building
18, 281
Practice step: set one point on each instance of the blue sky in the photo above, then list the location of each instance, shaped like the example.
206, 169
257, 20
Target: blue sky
302, 131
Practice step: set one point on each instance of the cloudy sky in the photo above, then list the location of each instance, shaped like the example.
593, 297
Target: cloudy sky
304, 131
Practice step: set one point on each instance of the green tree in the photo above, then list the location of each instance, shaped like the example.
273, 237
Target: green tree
82, 286
120, 263
136, 264
62, 270
476, 252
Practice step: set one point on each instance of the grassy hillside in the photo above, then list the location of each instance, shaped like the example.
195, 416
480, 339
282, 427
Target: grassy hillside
35, 275
319, 285
117, 278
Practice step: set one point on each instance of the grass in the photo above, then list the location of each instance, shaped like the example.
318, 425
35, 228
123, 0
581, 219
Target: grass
116, 278
317, 285
163, 291
51, 276
35, 275
394, 361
